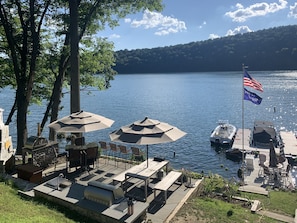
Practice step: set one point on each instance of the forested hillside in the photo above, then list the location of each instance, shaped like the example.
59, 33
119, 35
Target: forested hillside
270, 49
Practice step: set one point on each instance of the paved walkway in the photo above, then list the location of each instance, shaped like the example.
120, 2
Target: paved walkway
279, 217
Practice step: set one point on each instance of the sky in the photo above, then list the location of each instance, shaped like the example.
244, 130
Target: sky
185, 21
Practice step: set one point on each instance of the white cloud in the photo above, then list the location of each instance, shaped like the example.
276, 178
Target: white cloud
239, 29
127, 20
293, 11
241, 14
114, 36
213, 36
164, 24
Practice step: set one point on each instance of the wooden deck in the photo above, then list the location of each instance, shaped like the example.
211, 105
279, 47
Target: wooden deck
254, 189
290, 143
242, 142
254, 179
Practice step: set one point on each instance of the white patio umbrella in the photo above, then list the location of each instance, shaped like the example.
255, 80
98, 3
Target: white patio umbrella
80, 122
147, 132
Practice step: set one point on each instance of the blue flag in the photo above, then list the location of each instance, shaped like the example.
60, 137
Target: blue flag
250, 96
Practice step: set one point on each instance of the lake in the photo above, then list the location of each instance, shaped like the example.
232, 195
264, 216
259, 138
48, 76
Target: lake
193, 102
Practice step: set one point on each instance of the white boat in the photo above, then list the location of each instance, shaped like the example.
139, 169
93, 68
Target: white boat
223, 134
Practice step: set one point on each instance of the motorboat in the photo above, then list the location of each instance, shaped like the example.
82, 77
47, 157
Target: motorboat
223, 135
262, 133
235, 155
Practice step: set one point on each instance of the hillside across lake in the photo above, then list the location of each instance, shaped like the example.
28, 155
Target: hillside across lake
271, 49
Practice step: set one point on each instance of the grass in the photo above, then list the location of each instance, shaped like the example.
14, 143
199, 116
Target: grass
14, 208
202, 208
217, 211
206, 207
282, 202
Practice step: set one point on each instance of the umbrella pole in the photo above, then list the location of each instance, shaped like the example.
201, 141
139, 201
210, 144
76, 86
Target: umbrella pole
146, 155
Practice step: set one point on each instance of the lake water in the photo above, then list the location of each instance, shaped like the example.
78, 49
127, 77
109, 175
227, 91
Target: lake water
193, 102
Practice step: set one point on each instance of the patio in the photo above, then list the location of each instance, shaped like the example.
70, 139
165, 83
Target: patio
74, 183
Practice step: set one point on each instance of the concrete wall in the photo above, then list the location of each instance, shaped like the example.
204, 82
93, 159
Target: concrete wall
88, 213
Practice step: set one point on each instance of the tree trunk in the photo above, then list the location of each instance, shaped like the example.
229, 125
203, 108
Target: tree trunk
21, 117
74, 58
54, 104
11, 113
55, 100
31, 42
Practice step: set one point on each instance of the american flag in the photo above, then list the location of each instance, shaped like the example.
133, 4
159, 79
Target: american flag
250, 82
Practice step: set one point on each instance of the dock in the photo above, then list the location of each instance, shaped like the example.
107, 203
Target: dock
255, 180
288, 138
290, 143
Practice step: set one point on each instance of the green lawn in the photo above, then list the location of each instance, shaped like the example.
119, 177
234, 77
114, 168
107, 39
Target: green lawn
14, 208
218, 211
283, 202
206, 207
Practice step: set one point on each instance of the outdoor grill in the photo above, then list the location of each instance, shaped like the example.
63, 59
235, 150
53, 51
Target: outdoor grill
34, 142
105, 194
43, 152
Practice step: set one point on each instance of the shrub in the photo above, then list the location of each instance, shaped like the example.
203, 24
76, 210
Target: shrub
229, 213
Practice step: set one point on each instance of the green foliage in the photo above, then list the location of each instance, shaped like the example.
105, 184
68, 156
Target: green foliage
194, 175
34, 50
275, 48
229, 213
215, 184
96, 56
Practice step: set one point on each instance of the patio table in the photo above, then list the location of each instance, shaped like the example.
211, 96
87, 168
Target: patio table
147, 173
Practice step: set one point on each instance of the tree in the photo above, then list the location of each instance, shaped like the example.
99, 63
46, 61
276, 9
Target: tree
40, 55
22, 47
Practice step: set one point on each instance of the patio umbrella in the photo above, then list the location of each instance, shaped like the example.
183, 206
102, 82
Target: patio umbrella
147, 132
80, 122
272, 156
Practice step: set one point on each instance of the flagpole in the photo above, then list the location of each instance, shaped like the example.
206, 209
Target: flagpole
242, 124
247, 80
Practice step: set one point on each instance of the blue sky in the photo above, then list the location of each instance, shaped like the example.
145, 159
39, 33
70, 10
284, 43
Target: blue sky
184, 21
